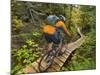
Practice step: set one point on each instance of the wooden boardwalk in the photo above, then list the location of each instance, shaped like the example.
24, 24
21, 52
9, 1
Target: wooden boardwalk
58, 61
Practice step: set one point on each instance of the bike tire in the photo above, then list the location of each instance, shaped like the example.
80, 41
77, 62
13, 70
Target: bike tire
44, 57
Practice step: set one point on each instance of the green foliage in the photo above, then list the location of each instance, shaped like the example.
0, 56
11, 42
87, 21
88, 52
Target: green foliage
84, 57
32, 43
16, 24
36, 34
88, 17
74, 30
25, 55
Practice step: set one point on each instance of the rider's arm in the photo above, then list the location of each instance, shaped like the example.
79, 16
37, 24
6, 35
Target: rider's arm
65, 30
63, 26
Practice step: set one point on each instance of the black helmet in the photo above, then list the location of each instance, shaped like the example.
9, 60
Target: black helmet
61, 17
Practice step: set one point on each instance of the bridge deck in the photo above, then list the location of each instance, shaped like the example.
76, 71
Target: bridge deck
58, 61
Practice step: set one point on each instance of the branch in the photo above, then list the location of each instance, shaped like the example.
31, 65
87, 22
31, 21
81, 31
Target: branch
30, 6
33, 20
78, 29
38, 13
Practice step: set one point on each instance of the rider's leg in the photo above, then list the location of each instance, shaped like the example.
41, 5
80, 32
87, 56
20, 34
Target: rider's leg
50, 46
61, 50
48, 38
62, 46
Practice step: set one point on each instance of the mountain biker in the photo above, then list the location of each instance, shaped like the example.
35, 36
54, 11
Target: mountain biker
53, 29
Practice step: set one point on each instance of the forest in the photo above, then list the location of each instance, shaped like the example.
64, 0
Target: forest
27, 42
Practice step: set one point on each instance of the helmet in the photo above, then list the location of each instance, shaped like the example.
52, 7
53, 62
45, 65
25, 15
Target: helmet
52, 19
61, 17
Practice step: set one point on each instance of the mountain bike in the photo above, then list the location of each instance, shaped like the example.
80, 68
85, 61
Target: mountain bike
48, 58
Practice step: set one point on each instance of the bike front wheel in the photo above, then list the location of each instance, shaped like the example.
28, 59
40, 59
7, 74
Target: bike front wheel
45, 61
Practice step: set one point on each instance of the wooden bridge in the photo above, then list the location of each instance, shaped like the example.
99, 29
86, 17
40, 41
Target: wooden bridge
58, 61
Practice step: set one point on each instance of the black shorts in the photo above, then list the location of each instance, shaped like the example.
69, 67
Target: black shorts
55, 38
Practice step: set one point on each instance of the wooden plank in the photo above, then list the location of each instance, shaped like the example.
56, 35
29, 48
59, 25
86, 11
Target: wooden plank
35, 65
65, 55
51, 69
43, 66
38, 60
56, 60
29, 69
69, 50
61, 58
55, 66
